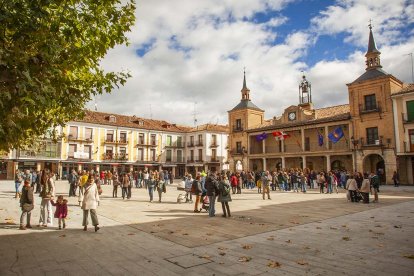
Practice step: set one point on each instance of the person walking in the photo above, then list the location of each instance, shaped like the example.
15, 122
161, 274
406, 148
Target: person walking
197, 191
125, 184
27, 205
266, 179
375, 183
365, 189
72, 179
224, 195
161, 188
89, 205
151, 182
396, 179
45, 205
234, 182
212, 190
18, 178
115, 183
352, 187
146, 176
321, 182
61, 211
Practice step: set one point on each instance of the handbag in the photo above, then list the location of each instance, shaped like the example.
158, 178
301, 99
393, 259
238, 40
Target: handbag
27, 207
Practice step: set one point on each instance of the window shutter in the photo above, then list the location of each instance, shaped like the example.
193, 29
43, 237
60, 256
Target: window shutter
410, 110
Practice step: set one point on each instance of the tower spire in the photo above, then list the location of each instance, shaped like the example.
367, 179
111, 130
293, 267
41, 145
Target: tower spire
245, 91
372, 55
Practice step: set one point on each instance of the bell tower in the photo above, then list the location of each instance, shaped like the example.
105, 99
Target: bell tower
305, 94
245, 91
373, 55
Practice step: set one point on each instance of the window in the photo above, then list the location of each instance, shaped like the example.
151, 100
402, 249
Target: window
410, 111
112, 118
88, 133
109, 136
122, 152
141, 138
200, 139
213, 154
200, 155
370, 102
153, 155
307, 144
169, 140
192, 155
179, 141
213, 140
123, 137
72, 150
140, 154
238, 124
238, 147
153, 139
191, 140
179, 156
52, 150
73, 132
88, 150
168, 156
109, 151
372, 135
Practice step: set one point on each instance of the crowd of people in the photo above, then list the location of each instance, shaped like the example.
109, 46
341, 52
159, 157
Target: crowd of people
207, 188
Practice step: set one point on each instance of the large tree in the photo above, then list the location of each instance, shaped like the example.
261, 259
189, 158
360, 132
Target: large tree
50, 53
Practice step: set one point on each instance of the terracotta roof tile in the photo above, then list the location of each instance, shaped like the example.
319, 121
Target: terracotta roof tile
210, 127
406, 89
331, 111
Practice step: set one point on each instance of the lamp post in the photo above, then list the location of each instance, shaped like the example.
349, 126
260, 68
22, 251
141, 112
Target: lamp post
354, 150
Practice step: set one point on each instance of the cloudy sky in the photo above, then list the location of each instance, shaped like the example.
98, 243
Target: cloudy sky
184, 52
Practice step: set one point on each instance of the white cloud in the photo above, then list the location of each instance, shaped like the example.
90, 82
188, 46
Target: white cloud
198, 50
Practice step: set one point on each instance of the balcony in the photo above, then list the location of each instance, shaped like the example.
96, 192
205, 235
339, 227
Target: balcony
116, 142
199, 144
175, 160
214, 160
115, 156
237, 152
273, 149
195, 160
213, 144
73, 138
190, 144
175, 145
406, 119
365, 109
143, 144
238, 128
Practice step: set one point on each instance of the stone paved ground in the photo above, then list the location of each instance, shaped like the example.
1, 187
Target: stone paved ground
293, 234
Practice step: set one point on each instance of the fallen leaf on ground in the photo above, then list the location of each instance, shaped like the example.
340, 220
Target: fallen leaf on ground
247, 246
380, 245
62, 236
171, 232
222, 253
205, 257
209, 234
346, 238
372, 217
397, 226
245, 259
270, 238
306, 247
369, 230
131, 234
344, 226
222, 248
289, 241
317, 227
302, 262
375, 238
273, 264
333, 228
409, 256
378, 225
221, 262
185, 234
294, 222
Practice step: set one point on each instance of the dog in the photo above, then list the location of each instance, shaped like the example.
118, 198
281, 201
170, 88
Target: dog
180, 198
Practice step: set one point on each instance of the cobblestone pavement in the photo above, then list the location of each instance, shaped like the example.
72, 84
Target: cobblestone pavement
294, 234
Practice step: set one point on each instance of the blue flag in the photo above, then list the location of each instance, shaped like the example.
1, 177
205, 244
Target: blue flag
336, 135
320, 139
261, 137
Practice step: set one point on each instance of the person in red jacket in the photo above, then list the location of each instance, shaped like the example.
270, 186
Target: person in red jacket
234, 180
61, 210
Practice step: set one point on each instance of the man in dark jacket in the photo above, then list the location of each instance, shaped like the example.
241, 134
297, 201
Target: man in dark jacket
212, 191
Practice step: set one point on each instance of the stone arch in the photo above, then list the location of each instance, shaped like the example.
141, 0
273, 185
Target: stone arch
375, 163
337, 165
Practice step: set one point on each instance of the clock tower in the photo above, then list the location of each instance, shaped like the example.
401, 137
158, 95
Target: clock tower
305, 94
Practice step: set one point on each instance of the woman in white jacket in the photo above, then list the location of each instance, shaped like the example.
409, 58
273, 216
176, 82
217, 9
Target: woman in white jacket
89, 203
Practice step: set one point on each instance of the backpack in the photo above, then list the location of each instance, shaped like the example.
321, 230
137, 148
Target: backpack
226, 190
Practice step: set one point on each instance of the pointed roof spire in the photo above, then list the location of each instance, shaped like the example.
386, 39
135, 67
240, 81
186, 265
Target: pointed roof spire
244, 79
372, 47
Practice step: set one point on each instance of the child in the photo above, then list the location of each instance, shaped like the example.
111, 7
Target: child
61, 210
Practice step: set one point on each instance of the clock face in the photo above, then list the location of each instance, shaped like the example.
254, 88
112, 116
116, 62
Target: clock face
292, 116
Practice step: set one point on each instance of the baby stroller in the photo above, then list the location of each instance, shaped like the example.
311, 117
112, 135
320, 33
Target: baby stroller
205, 204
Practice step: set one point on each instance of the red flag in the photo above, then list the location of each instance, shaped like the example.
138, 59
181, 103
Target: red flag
280, 135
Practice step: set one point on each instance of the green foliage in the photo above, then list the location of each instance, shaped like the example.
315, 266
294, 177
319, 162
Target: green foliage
50, 53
